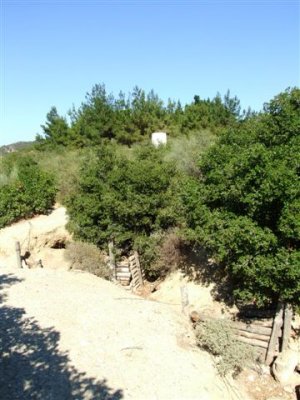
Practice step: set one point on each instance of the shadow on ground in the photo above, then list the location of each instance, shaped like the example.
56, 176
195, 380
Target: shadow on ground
31, 365
199, 268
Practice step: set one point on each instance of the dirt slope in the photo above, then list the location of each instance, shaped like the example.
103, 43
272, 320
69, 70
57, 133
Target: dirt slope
70, 335
37, 235
118, 345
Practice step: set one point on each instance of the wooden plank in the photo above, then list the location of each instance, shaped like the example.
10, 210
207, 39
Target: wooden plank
136, 256
253, 336
287, 326
268, 323
122, 269
123, 278
277, 324
18, 254
261, 330
253, 342
256, 313
124, 275
123, 263
135, 274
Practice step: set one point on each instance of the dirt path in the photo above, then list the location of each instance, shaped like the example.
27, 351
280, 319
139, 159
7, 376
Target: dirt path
70, 335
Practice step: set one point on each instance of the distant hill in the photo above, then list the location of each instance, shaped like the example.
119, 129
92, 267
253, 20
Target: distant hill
10, 148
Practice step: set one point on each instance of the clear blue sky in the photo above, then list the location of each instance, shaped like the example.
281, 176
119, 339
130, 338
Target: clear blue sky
53, 52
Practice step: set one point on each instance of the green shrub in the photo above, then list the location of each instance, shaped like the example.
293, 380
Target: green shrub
87, 257
28, 190
122, 198
217, 337
244, 204
160, 253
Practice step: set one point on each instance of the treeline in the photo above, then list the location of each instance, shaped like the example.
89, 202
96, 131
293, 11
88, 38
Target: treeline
132, 119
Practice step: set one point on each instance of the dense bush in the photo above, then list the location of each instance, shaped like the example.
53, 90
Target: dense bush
27, 191
244, 206
122, 198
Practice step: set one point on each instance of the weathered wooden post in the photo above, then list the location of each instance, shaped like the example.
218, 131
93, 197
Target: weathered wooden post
277, 325
139, 271
285, 364
112, 259
18, 254
287, 326
184, 298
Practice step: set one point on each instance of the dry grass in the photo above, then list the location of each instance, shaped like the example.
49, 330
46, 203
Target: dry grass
217, 337
87, 257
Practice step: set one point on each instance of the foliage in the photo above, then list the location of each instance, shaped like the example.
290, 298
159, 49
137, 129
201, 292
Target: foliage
241, 200
132, 119
186, 150
244, 205
209, 114
56, 131
64, 165
160, 253
87, 257
148, 250
217, 337
27, 190
122, 198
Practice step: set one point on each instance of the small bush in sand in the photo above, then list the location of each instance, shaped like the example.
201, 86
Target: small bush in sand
160, 254
217, 337
87, 257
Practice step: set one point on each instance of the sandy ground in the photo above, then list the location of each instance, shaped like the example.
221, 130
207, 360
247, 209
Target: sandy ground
37, 235
70, 335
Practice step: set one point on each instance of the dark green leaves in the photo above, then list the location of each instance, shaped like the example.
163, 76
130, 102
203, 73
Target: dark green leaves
32, 191
245, 207
122, 197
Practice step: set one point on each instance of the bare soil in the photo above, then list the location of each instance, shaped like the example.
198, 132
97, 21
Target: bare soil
70, 335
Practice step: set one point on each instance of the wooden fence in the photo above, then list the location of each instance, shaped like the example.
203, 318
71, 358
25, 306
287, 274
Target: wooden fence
128, 272
269, 335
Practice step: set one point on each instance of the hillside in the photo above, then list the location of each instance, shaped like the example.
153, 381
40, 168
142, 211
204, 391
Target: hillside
10, 148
